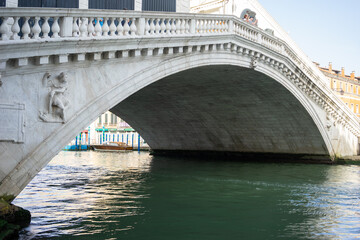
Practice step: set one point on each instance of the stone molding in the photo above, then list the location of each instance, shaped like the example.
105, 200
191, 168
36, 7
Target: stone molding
12, 122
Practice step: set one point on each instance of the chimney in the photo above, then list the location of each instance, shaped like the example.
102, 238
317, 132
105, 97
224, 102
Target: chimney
330, 67
352, 75
343, 72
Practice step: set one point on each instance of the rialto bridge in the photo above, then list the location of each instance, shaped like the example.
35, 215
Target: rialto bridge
185, 82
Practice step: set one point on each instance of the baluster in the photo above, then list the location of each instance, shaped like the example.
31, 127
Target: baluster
112, 27
204, 28
219, 26
55, 28
147, 26
75, 28
83, 28
182, 26
97, 27
168, 27
208, 26
133, 27
152, 26
45, 28
174, 26
36, 28
15, 29
178, 26
120, 28
25, 28
126, 27
90, 27
162, 26
204, 23
187, 26
226, 25
212, 26
105, 28
4, 29
157, 26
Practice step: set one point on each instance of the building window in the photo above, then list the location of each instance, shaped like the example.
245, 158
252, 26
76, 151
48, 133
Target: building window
159, 5
116, 119
49, 3
106, 118
346, 87
112, 118
351, 88
356, 90
112, 4
100, 119
334, 86
2, 3
352, 107
346, 104
357, 108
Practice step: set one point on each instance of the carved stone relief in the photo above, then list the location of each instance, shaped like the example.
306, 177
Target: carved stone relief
253, 63
329, 122
12, 122
57, 102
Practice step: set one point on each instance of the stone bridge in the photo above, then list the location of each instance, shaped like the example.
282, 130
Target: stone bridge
185, 82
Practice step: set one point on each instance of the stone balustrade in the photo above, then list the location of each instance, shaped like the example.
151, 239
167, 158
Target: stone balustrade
23, 25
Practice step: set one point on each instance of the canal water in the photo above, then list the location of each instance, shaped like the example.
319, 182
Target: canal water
91, 195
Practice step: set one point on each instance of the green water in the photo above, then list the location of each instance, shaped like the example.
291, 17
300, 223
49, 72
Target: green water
92, 195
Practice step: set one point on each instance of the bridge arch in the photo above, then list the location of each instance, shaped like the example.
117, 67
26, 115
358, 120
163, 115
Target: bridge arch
127, 83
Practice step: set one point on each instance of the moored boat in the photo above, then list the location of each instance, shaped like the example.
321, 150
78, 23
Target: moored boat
112, 147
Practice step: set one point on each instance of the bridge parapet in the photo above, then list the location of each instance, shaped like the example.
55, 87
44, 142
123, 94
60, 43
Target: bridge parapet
21, 26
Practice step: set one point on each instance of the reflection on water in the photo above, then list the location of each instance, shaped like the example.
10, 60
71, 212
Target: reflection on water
91, 195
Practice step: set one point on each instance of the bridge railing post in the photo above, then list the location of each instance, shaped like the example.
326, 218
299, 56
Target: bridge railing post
66, 24
192, 26
140, 25
259, 38
231, 26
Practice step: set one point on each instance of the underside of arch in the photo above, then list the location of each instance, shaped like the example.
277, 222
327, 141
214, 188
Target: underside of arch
222, 108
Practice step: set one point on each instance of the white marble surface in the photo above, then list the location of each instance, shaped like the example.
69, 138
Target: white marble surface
103, 71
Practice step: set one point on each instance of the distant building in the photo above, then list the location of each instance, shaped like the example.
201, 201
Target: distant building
138, 5
213, 6
347, 87
110, 128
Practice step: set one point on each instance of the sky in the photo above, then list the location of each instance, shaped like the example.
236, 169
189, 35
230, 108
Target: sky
326, 30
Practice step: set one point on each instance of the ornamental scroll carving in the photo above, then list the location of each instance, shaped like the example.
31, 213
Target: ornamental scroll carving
57, 102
